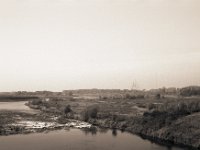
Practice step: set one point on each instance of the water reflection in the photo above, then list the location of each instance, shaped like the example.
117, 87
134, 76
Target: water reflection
95, 130
114, 132
92, 130
103, 130
104, 139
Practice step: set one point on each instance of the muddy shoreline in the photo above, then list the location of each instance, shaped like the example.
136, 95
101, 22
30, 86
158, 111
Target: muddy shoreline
21, 126
15, 122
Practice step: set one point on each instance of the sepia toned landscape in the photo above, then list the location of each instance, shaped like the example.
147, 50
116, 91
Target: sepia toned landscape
167, 116
99, 74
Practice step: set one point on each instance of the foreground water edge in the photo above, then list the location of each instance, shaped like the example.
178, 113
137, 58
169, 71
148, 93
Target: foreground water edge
78, 139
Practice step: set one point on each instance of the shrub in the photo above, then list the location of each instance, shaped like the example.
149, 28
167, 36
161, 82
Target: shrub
190, 91
151, 106
133, 96
36, 102
119, 118
90, 112
70, 93
129, 96
178, 108
67, 109
158, 96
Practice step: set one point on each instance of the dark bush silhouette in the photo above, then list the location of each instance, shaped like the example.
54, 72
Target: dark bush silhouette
158, 96
90, 112
36, 102
67, 109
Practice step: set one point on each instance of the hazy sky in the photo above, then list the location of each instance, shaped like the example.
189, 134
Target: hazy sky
72, 44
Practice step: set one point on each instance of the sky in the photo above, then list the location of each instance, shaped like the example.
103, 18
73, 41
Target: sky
74, 44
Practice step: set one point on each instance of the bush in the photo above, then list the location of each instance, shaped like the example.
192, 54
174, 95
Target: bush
133, 96
129, 96
158, 96
151, 106
190, 91
90, 112
178, 108
119, 118
36, 102
67, 109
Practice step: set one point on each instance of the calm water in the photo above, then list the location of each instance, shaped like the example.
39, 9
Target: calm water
16, 106
13, 105
76, 139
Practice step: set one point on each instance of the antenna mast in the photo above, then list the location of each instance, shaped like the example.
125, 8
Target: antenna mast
134, 86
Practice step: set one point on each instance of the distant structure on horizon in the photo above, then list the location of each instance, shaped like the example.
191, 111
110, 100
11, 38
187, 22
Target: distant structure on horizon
134, 85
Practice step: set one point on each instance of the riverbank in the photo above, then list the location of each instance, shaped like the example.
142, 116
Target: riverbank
174, 121
172, 135
13, 122
22, 123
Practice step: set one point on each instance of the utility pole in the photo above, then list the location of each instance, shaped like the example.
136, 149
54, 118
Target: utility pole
134, 85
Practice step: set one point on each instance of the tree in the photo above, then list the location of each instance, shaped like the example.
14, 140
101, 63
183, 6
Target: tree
90, 112
67, 109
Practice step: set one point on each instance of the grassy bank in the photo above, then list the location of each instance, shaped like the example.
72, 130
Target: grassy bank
175, 120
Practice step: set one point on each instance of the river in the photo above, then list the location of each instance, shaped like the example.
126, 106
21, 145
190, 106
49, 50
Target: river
16, 106
74, 139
